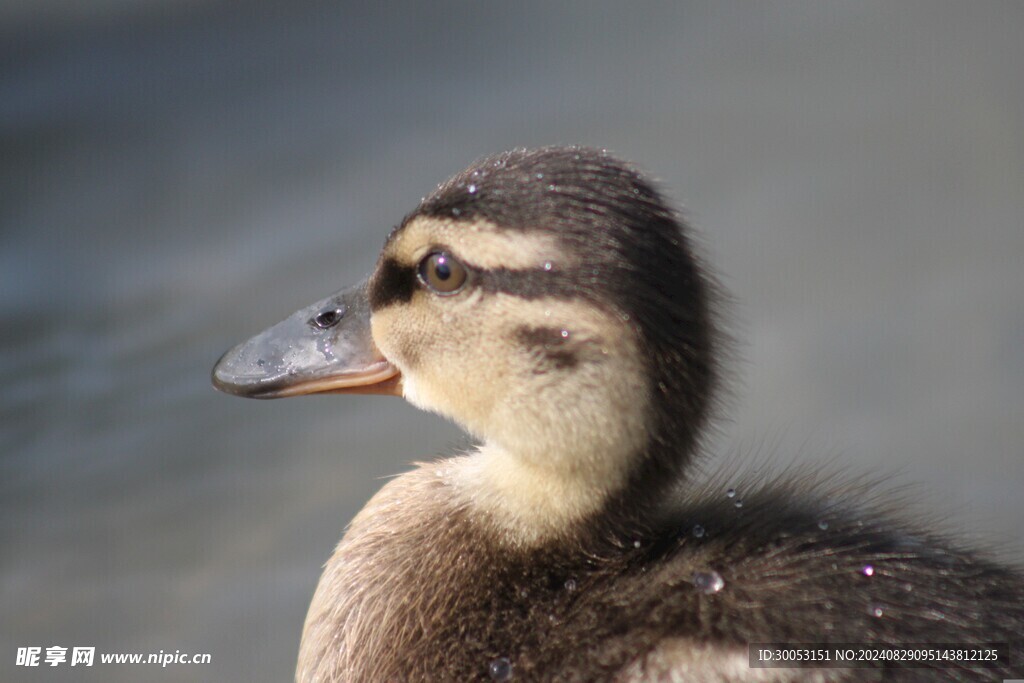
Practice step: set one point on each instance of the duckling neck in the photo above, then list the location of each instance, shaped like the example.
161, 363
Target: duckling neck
528, 502
529, 499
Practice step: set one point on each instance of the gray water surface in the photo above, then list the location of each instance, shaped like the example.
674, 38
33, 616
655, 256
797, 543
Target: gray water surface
176, 176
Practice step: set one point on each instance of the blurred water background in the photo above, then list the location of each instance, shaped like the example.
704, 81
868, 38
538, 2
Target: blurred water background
177, 174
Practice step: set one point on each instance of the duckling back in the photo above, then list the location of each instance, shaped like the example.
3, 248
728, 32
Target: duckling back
429, 592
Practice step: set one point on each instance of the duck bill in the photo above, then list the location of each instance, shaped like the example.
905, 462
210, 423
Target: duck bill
323, 348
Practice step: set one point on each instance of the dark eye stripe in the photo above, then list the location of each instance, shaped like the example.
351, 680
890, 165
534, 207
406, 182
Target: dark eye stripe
530, 284
392, 284
395, 283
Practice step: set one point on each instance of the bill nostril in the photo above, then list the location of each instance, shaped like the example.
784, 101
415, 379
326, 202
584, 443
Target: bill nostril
327, 318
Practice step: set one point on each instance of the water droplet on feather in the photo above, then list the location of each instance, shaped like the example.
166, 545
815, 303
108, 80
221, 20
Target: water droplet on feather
500, 669
708, 582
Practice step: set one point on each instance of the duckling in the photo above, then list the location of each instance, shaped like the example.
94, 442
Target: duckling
550, 302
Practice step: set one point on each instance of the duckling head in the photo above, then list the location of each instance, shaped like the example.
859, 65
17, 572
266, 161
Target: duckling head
546, 300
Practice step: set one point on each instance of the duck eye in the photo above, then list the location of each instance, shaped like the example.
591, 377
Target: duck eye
442, 273
329, 317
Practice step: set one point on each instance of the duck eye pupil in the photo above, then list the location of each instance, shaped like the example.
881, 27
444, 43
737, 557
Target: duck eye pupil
442, 274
